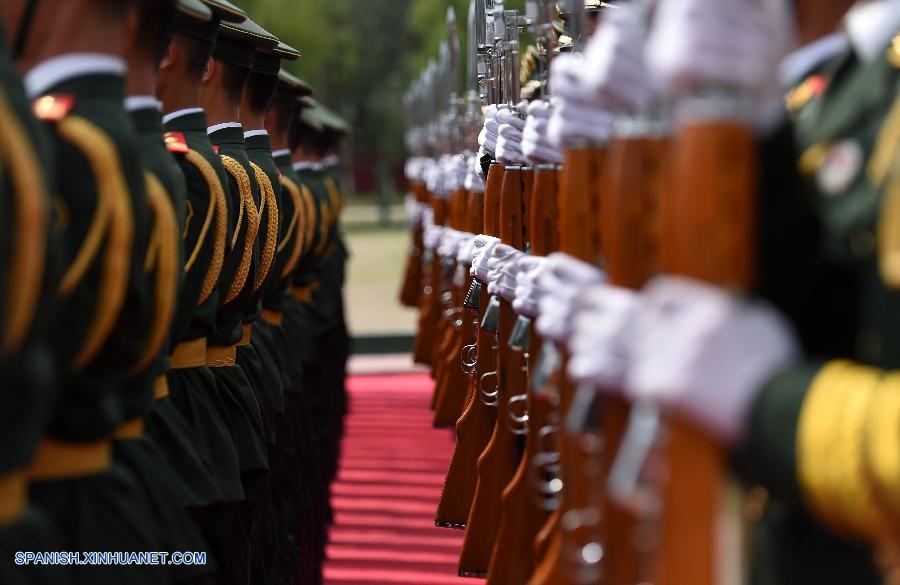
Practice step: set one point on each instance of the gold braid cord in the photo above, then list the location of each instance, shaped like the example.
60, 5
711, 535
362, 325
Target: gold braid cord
830, 449
334, 197
162, 256
297, 228
325, 216
309, 207
113, 219
26, 262
882, 451
248, 206
270, 203
218, 208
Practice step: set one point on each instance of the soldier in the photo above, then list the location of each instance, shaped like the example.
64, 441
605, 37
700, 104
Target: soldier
192, 386
167, 193
253, 242
30, 278
71, 56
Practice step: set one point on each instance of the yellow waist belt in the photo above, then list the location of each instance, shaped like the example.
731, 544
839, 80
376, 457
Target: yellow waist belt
273, 318
161, 384
189, 354
304, 293
131, 429
13, 497
55, 460
245, 339
219, 356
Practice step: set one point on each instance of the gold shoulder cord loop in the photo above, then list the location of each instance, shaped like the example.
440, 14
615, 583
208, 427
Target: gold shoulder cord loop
297, 227
113, 217
163, 257
830, 448
325, 227
237, 172
248, 206
269, 202
309, 206
334, 197
26, 270
218, 209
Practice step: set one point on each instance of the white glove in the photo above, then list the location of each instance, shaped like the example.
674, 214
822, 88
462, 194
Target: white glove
433, 235
528, 291
465, 249
615, 69
563, 279
474, 181
578, 115
509, 141
449, 242
414, 167
502, 270
483, 249
731, 43
455, 170
487, 139
413, 210
536, 147
601, 334
706, 353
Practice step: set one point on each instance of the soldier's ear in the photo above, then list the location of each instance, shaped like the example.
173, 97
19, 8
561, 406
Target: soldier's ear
211, 67
170, 55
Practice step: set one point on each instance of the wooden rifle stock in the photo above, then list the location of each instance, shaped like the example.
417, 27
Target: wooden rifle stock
499, 461
579, 236
514, 556
452, 395
411, 288
629, 220
708, 223
429, 311
475, 426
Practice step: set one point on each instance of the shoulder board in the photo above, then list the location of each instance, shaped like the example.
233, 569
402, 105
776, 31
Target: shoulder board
215, 149
176, 142
53, 108
810, 88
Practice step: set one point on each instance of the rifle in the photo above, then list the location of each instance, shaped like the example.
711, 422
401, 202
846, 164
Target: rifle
708, 223
500, 459
411, 288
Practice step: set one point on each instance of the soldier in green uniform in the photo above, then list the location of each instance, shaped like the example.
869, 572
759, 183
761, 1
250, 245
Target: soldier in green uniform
221, 94
154, 455
192, 387
29, 279
71, 56
303, 496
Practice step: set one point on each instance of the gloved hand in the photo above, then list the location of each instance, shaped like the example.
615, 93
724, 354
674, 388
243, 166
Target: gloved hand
578, 115
536, 146
615, 69
465, 249
433, 235
600, 344
528, 291
487, 139
563, 279
414, 167
455, 169
413, 210
706, 353
483, 250
727, 43
449, 242
502, 270
434, 178
509, 141
474, 181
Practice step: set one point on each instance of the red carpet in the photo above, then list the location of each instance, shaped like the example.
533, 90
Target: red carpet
390, 477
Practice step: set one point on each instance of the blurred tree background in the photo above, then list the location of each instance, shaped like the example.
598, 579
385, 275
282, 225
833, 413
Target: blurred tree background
361, 56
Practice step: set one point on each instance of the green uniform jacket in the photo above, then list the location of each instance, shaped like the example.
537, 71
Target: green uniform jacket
819, 264
89, 406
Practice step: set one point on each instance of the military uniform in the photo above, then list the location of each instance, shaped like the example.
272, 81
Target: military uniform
826, 248
28, 288
104, 323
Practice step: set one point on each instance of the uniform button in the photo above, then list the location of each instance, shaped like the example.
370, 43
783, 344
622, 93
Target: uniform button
862, 243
